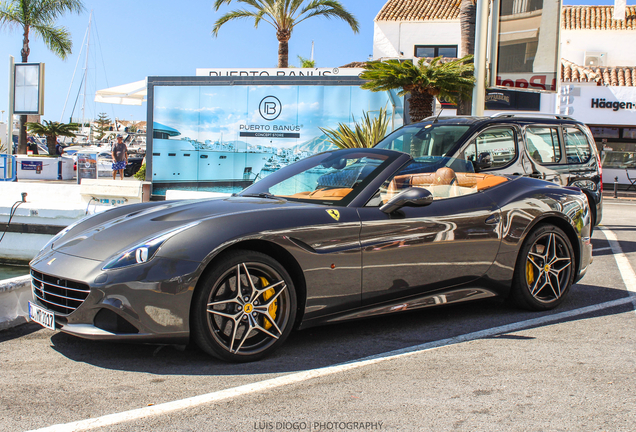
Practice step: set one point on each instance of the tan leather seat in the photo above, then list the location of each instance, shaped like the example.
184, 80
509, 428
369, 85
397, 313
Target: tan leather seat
445, 176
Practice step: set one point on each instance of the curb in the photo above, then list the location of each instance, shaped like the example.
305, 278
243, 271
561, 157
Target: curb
15, 294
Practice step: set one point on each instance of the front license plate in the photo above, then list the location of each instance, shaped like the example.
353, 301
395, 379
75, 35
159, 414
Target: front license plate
41, 316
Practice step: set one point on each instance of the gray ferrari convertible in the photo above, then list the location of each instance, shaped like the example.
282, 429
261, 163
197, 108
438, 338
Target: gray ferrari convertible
340, 235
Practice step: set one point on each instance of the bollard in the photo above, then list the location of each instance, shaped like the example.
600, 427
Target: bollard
616, 187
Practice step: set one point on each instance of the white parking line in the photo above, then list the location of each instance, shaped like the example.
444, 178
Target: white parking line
627, 273
624, 267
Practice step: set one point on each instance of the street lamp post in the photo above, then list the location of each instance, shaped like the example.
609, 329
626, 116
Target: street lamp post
481, 42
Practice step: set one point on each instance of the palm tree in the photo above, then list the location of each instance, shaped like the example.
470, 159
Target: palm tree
423, 82
284, 15
306, 63
367, 133
38, 17
52, 129
467, 17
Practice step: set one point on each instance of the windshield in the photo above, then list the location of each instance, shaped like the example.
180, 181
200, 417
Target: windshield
424, 140
332, 178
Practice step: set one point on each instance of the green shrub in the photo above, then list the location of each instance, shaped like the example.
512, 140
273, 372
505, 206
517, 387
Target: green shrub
141, 174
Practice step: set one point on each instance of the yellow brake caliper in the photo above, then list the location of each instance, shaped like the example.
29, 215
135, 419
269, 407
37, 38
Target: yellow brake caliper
273, 307
529, 272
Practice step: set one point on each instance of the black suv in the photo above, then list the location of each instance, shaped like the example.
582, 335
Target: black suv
554, 148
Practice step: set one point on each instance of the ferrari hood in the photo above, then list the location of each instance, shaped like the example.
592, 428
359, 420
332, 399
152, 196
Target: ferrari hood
99, 241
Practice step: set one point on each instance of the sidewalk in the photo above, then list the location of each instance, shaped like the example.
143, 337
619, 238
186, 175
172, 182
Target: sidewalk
622, 193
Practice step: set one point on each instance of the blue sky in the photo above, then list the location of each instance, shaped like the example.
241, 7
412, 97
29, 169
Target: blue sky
135, 39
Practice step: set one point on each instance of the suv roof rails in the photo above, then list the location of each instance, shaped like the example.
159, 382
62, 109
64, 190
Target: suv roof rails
532, 114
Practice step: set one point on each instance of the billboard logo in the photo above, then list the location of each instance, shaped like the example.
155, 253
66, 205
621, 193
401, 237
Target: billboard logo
270, 108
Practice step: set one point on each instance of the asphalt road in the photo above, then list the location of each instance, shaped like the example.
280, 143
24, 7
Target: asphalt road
572, 369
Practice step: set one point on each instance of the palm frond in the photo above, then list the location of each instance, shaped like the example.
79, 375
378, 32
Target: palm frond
57, 39
10, 15
365, 134
329, 9
219, 3
239, 14
50, 10
52, 128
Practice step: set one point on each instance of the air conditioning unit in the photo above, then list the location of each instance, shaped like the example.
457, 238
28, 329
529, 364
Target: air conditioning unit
595, 59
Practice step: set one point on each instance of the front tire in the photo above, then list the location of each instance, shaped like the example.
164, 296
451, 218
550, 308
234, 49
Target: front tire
245, 308
545, 269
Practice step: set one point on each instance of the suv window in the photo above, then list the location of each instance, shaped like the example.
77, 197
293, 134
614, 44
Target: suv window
543, 144
499, 142
577, 148
429, 140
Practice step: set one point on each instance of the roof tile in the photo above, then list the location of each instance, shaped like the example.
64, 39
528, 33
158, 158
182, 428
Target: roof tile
609, 76
574, 17
597, 18
419, 10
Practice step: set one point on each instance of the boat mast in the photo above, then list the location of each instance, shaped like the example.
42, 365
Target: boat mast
88, 44
79, 56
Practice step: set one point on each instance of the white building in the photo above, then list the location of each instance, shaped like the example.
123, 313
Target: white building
417, 28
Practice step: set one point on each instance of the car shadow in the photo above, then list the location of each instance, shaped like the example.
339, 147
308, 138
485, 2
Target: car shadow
334, 344
619, 227
626, 246
19, 331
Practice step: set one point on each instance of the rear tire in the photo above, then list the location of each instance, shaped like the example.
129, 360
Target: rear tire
245, 308
545, 269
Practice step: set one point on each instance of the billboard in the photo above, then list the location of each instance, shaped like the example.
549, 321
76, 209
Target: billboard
28, 88
224, 137
528, 44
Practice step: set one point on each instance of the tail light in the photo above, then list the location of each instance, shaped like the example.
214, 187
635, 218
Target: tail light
600, 172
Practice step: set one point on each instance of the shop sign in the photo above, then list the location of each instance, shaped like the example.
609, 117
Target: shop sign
528, 81
613, 105
32, 166
599, 105
273, 72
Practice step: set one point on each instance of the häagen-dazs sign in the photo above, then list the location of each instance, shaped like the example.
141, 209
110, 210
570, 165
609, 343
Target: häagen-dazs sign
613, 105
599, 105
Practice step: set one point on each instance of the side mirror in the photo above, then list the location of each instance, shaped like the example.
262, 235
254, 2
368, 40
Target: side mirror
412, 197
484, 161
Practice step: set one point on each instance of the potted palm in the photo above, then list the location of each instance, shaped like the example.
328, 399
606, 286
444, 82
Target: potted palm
422, 81
366, 133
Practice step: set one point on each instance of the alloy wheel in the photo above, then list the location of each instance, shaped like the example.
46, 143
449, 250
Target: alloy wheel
548, 267
248, 309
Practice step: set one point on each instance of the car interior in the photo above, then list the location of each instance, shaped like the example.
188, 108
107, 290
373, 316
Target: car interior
444, 183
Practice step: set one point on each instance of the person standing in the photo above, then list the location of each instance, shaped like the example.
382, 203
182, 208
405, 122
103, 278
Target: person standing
59, 150
120, 157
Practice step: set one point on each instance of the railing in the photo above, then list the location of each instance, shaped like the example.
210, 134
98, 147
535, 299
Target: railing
7, 167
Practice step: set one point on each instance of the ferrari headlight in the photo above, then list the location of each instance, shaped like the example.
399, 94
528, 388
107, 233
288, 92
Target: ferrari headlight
144, 251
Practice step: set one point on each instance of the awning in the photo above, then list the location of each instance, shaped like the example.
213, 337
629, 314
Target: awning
126, 94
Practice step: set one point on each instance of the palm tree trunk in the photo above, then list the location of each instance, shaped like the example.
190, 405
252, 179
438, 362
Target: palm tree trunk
420, 105
283, 48
51, 142
467, 17
22, 136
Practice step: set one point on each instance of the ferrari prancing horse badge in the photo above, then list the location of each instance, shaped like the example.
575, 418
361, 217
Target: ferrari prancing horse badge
334, 214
